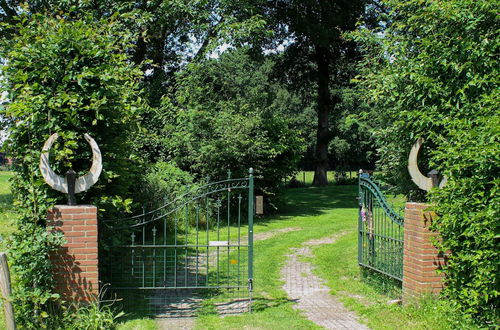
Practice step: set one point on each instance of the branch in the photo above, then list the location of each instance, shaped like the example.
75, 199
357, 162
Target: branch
210, 34
8, 11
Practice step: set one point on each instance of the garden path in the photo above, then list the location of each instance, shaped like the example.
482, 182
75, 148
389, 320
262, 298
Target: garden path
310, 292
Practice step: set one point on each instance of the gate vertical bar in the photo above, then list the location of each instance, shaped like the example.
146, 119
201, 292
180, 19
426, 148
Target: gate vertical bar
228, 225
154, 256
197, 239
143, 251
186, 242
219, 203
239, 237
360, 219
165, 252
250, 236
207, 216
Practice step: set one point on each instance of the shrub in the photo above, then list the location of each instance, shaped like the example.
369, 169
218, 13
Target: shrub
95, 316
433, 73
69, 76
163, 182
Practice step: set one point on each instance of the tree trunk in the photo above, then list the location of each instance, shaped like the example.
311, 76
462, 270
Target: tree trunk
140, 51
323, 135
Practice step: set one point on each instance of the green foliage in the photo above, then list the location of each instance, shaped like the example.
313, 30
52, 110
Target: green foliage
469, 207
434, 73
69, 76
352, 148
94, 316
163, 182
225, 117
34, 302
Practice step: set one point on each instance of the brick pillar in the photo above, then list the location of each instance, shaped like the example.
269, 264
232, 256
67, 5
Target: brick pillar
421, 259
75, 264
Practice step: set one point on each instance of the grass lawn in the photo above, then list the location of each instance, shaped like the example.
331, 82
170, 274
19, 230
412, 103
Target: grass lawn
7, 213
306, 177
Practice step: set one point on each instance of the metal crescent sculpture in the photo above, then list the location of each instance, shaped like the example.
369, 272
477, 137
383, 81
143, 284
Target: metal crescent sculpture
60, 183
423, 182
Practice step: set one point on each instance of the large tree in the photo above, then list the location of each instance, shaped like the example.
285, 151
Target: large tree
311, 32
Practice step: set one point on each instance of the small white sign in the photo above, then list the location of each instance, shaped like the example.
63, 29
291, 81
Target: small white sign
218, 243
259, 204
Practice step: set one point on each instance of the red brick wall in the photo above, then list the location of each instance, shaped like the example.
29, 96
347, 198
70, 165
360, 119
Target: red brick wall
76, 263
421, 259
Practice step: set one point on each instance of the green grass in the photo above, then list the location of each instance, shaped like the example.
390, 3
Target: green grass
7, 213
306, 177
138, 324
368, 293
7, 216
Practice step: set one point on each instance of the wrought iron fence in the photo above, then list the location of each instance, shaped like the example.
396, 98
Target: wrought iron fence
194, 253
380, 231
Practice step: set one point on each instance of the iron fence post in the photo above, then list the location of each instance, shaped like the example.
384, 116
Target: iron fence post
360, 220
250, 234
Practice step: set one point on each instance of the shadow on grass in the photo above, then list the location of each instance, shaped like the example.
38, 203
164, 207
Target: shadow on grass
312, 201
6, 201
261, 304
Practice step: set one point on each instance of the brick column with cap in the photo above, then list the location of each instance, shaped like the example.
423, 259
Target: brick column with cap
75, 270
421, 259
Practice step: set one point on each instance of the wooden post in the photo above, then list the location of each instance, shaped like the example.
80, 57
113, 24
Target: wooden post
6, 291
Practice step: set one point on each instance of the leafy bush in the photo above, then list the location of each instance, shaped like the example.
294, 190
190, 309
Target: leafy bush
94, 316
434, 73
162, 183
69, 76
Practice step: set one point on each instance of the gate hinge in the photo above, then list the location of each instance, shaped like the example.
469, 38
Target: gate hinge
250, 284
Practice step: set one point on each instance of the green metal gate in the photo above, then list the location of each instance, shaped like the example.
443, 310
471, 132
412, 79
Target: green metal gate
192, 255
380, 231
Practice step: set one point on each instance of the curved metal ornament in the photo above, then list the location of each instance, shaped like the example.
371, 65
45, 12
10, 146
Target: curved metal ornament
420, 180
59, 183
